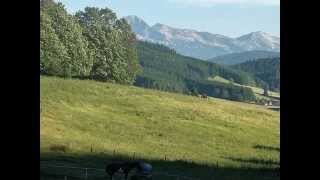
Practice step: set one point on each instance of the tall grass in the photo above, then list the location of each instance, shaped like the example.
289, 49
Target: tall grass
88, 117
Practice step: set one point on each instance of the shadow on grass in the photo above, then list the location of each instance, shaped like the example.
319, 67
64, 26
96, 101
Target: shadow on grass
256, 161
268, 148
176, 167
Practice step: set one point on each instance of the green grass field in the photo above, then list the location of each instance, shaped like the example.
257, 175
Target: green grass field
179, 134
218, 79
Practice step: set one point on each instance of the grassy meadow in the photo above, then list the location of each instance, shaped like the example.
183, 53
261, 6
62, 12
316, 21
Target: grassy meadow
85, 122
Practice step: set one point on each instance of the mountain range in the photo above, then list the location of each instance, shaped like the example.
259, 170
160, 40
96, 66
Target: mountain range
202, 45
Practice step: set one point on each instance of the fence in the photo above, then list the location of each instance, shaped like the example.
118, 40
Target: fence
62, 172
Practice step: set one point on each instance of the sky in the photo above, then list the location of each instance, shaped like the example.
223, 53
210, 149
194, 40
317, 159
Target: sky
226, 17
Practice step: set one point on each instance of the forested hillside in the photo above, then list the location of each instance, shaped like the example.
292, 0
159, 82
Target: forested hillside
241, 57
164, 69
266, 72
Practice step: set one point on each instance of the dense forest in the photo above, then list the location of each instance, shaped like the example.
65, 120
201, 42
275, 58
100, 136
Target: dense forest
164, 69
266, 72
95, 44
241, 57
90, 44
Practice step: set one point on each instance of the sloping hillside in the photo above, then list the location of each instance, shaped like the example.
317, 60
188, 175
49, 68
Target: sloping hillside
164, 69
266, 71
258, 91
91, 119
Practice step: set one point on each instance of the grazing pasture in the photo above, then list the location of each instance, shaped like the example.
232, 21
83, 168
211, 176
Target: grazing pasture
87, 123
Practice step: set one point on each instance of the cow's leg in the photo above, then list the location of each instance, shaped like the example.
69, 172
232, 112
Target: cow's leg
111, 176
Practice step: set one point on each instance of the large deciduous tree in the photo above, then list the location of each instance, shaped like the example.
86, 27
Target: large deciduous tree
112, 43
61, 34
53, 54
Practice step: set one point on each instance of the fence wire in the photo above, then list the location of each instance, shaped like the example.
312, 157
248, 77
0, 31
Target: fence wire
62, 172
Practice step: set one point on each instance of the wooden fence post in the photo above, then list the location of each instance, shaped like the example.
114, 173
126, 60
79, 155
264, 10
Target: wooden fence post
86, 177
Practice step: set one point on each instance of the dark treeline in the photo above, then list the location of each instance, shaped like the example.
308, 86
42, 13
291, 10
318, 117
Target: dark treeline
266, 72
90, 44
164, 69
241, 57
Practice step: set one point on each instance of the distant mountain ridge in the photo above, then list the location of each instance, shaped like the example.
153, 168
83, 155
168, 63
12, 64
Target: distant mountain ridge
237, 58
203, 45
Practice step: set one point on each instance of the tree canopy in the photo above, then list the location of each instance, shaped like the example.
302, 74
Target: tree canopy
90, 44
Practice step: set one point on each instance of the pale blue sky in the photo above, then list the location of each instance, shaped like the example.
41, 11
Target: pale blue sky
227, 17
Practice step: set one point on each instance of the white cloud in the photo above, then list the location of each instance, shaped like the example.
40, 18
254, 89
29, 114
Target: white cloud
208, 3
